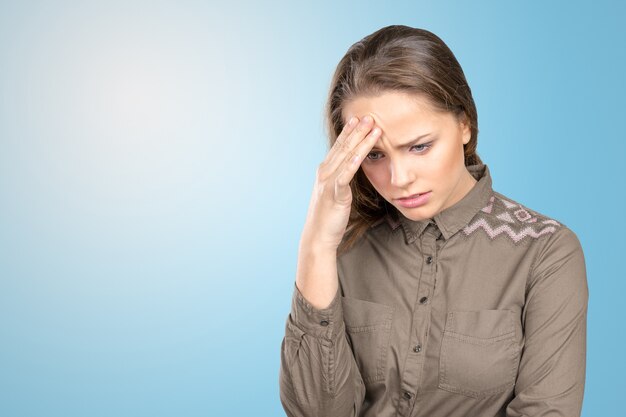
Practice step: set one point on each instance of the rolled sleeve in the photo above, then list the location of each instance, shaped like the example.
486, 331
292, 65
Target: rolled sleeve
551, 376
325, 323
318, 372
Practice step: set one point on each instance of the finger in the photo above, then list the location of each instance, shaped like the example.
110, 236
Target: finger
351, 164
346, 131
339, 151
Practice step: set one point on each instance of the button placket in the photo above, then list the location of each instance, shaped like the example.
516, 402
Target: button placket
412, 375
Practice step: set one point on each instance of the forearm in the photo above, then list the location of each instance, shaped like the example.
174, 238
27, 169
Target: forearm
316, 274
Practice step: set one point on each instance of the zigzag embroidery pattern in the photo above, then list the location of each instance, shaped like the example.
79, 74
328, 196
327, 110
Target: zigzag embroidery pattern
517, 221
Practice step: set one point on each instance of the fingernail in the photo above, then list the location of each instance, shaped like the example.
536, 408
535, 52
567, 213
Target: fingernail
352, 121
367, 119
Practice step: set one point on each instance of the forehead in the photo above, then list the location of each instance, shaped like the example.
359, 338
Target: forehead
396, 113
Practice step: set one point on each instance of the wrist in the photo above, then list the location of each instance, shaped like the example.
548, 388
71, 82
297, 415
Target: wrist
317, 248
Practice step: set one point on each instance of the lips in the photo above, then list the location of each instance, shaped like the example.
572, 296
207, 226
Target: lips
410, 196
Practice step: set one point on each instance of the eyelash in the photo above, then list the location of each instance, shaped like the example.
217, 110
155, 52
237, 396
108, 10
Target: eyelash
425, 147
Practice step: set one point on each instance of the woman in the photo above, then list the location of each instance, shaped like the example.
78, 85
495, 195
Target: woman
421, 291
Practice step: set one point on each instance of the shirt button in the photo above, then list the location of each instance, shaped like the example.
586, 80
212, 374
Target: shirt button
423, 300
324, 322
417, 348
407, 395
429, 260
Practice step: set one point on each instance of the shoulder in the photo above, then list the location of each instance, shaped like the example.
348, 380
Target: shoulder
555, 247
559, 263
555, 243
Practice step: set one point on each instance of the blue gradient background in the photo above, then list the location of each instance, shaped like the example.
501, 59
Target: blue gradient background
156, 164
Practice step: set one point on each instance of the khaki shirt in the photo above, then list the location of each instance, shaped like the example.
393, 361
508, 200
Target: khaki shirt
480, 311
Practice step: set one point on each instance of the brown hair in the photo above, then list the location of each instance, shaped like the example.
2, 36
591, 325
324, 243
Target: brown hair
399, 58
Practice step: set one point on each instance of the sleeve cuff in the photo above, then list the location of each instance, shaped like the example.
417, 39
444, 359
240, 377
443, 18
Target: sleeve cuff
325, 323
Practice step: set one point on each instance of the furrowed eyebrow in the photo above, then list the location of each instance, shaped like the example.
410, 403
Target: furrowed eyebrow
405, 145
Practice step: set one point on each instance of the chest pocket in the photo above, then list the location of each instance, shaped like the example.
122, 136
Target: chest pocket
368, 328
479, 352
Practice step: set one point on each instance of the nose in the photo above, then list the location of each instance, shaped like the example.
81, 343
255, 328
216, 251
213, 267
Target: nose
401, 173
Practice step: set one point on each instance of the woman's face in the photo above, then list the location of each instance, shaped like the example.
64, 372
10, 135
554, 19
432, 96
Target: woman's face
419, 151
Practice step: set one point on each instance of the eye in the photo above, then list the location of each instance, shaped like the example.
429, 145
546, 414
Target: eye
421, 148
369, 156
424, 147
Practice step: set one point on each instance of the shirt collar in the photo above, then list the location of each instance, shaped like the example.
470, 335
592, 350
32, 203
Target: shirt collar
453, 218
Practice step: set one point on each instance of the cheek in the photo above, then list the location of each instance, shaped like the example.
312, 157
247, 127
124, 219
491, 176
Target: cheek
445, 159
447, 167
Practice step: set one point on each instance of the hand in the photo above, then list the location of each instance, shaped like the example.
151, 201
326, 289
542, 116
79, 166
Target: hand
329, 208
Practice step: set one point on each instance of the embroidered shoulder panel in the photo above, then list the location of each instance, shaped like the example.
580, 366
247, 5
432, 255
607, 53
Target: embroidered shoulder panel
503, 217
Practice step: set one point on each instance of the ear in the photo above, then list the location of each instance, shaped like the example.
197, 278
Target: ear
466, 131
